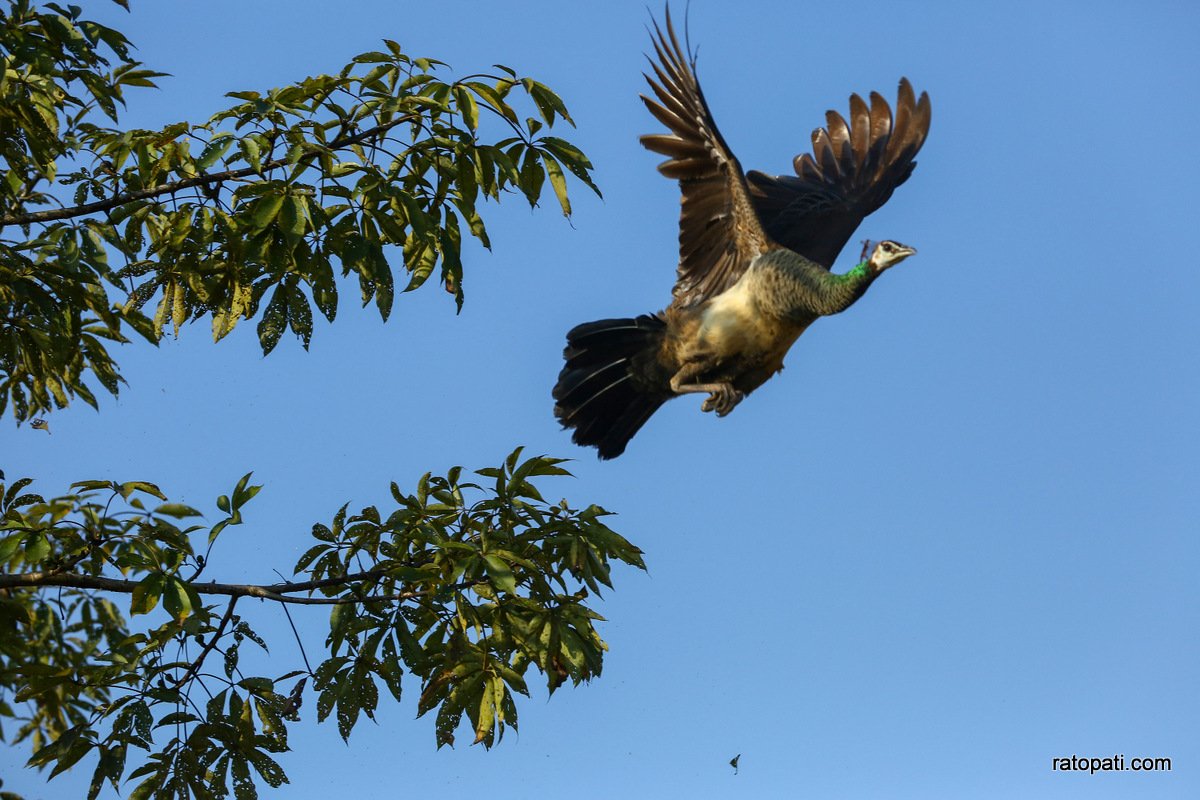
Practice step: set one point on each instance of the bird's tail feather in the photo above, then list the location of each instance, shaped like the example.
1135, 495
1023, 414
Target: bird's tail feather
607, 389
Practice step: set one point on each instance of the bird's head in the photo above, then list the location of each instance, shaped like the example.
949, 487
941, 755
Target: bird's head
887, 254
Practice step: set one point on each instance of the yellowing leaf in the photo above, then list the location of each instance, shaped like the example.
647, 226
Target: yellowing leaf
558, 181
146, 594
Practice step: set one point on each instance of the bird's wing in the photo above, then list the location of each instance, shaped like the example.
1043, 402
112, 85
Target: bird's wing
719, 232
853, 170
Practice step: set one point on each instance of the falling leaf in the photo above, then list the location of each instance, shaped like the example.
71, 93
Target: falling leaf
733, 762
40, 424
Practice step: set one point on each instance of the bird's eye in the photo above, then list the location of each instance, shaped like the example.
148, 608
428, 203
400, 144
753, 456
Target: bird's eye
887, 247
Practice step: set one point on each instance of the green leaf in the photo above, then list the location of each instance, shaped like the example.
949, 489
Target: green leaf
293, 220
257, 685
176, 599
9, 546
21, 483
146, 594
501, 574
309, 556
92, 244
532, 176
324, 290
384, 288
448, 717
215, 149
252, 152
373, 57
274, 319
37, 548
244, 492
177, 510
300, 317
268, 769
139, 77
266, 209
547, 101
347, 715
243, 784
492, 98
69, 755
467, 107
572, 158
129, 487
91, 485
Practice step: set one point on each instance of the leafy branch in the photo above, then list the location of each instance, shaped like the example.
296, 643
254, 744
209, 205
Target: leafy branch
172, 187
263, 212
463, 585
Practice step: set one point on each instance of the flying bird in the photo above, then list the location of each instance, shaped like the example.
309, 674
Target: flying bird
755, 254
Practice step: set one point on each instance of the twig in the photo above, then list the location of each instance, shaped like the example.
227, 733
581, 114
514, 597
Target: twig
194, 667
299, 643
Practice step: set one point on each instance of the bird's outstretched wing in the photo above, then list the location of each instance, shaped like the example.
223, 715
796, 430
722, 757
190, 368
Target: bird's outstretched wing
719, 232
853, 170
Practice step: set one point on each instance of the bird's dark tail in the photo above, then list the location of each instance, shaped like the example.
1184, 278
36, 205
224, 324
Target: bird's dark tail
612, 381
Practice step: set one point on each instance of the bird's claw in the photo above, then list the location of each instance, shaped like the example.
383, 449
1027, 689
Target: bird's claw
723, 400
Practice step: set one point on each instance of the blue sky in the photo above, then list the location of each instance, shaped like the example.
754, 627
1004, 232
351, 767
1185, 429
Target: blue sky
955, 539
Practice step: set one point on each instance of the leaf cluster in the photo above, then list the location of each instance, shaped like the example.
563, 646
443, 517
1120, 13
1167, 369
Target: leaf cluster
458, 589
263, 212
55, 314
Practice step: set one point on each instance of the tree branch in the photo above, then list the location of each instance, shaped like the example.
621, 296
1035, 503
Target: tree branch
278, 592
194, 667
185, 183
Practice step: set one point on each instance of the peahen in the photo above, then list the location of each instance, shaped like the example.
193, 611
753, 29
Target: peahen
754, 257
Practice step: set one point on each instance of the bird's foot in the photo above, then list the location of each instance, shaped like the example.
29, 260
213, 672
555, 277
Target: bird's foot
723, 400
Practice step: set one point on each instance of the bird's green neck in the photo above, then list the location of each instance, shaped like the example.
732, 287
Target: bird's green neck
857, 272
844, 289
790, 286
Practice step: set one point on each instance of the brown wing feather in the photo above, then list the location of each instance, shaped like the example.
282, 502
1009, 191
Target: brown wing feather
719, 231
853, 170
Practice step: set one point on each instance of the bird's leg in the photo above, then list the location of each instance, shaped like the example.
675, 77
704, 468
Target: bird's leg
722, 397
